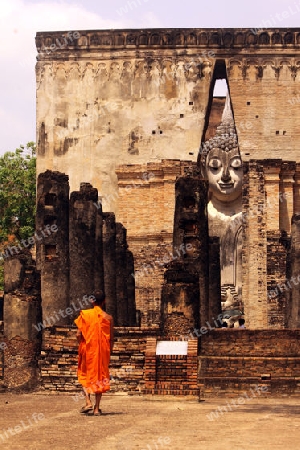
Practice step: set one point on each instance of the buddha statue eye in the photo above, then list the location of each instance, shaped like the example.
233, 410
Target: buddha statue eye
236, 163
215, 163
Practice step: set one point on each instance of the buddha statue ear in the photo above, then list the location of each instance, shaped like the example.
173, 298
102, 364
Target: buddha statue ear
202, 165
201, 161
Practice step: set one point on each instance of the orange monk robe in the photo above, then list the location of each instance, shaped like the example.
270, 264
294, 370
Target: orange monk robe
94, 350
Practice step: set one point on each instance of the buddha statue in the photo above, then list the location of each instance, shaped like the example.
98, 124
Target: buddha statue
221, 165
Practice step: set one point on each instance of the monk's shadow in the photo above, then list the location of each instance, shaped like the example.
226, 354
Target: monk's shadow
111, 413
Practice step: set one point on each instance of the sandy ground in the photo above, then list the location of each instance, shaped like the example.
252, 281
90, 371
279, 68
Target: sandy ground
41, 422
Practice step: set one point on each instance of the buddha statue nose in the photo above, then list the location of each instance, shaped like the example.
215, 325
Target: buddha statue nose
226, 174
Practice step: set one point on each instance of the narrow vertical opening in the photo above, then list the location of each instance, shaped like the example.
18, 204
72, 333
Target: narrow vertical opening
221, 164
216, 101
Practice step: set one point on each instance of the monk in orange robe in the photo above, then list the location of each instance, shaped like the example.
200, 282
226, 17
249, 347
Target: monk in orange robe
95, 337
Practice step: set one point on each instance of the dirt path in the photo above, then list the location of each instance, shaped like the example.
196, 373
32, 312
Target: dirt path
42, 422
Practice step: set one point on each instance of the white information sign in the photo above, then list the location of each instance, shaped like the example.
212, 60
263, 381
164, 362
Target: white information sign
172, 348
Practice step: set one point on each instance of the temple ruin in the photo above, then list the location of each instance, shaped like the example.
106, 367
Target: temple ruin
184, 207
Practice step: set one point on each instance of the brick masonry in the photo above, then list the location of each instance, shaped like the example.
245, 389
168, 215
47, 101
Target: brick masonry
223, 361
171, 374
58, 360
149, 226
232, 360
134, 367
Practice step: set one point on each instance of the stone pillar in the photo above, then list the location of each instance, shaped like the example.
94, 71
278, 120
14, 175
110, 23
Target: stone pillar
109, 263
180, 300
22, 321
297, 189
214, 279
130, 289
271, 174
185, 296
99, 269
52, 245
204, 261
83, 251
22, 297
286, 196
121, 276
279, 195
293, 312
278, 285
254, 253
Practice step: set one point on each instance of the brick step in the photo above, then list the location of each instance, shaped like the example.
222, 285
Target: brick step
186, 392
170, 385
247, 358
254, 386
3, 388
272, 378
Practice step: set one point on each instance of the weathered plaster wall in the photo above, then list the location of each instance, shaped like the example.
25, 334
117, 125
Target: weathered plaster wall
136, 96
101, 105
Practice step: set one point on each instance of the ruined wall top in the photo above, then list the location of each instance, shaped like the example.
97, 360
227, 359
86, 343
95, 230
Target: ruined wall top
218, 39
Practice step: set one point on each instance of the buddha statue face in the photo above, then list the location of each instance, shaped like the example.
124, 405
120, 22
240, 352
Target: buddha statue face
223, 169
221, 162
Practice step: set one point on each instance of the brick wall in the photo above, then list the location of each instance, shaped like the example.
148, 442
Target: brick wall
146, 206
134, 366
171, 374
267, 208
277, 269
227, 361
234, 360
254, 257
142, 109
58, 360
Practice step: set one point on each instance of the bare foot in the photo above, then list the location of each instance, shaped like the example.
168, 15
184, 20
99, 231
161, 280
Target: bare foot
97, 412
86, 408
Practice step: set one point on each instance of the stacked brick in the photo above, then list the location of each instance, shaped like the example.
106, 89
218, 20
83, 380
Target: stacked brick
238, 359
128, 359
268, 202
185, 291
171, 374
85, 226
58, 360
293, 313
19, 362
146, 205
277, 251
